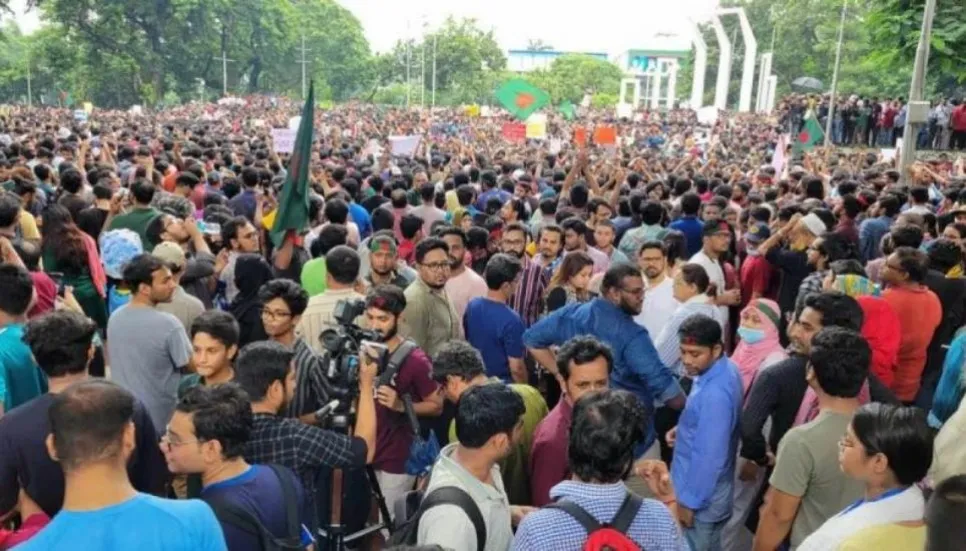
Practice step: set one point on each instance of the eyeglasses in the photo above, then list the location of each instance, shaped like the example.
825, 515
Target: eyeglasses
436, 266
271, 314
167, 442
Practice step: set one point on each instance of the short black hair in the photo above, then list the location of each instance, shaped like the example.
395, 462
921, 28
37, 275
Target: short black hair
890, 205
701, 330
143, 191
60, 342
582, 350
914, 262
944, 254
87, 421
231, 228
259, 365
429, 244
453, 230
501, 268
18, 290
458, 359
840, 359
652, 213
336, 211
382, 219
220, 412
605, 428
575, 225
9, 208
485, 411
410, 225
945, 529
653, 244
690, 203
902, 434
72, 181
220, 325
837, 309
387, 298
294, 296
330, 237
140, 270
615, 275
695, 274
906, 236
342, 263
836, 246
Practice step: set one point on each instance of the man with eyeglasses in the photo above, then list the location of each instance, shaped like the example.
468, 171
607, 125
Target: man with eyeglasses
533, 278
610, 318
430, 319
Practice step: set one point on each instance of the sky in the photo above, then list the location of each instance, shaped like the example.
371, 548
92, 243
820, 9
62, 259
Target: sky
609, 26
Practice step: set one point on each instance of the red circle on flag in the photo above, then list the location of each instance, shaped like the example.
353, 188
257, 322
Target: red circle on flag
524, 100
803, 137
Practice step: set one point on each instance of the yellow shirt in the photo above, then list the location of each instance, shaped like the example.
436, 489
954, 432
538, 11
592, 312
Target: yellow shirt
886, 537
28, 225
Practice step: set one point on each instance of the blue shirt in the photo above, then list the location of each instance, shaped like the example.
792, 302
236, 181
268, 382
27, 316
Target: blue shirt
693, 229
259, 492
503, 196
496, 330
144, 523
703, 469
871, 232
243, 204
637, 367
361, 217
20, 378
553, 530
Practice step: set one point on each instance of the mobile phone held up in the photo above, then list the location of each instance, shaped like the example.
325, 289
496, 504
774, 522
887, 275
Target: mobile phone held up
58, 279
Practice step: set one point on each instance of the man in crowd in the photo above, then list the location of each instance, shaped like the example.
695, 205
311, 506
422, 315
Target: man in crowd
341, 279
659, 301
650, 229
689, 224
20, 381
874, 228
575, 239
92, 436
463, 284
458, 367
716, 240
427, 211
207, 436
182, 305
62, 344
690, 290
240, 237
550, 242
528, 295
283, 303
430, 319
410, 382
137, 219
148, 349
214, 342
492, 327
808, 487
604, 234
584, 365
383, 263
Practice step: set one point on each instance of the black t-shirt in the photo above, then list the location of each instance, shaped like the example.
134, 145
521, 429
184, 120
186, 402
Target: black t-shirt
24, 458
74, 204
374, 202
794, 268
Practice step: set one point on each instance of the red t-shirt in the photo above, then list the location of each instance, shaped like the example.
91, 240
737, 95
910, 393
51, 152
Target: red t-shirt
756, 277
46, 294
919, 312
958, 118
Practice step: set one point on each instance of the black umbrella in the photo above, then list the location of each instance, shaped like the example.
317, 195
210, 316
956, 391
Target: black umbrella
808, 84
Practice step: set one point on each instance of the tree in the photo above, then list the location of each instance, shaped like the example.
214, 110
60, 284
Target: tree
537, 45
573, 75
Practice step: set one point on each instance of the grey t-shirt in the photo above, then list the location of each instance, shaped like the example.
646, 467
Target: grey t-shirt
808, 467
147, 349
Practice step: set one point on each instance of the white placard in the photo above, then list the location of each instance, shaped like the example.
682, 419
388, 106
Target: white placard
284, 139
708, 115
556, 144
625, 110
404, 146
80, 115
889, 153
294, 123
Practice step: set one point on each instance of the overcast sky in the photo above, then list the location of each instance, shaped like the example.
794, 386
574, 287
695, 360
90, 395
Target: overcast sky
610, 26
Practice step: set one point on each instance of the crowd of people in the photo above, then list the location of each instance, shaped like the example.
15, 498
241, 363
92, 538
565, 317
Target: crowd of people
684, 340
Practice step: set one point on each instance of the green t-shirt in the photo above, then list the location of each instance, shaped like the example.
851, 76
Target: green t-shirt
515, 468
137, 220
808, 467
313, 276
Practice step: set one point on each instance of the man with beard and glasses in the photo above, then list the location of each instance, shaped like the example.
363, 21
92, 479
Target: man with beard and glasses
533, 279
412, 381
550, 242
610, 318
659, 301
463, 284
430, 318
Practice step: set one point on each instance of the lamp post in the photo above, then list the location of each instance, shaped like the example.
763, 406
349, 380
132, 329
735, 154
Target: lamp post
917, 109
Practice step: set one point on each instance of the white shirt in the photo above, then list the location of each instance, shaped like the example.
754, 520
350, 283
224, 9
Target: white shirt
659, 306
715, 275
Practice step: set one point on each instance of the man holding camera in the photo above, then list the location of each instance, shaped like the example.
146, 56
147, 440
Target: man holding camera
405, 378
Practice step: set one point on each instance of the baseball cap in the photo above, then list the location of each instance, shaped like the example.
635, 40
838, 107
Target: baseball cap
171, 254
757, 233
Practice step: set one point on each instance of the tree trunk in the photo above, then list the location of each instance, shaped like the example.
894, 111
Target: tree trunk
256, 72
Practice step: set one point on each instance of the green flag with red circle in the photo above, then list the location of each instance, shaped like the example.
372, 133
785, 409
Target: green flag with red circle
810, 135
521, 98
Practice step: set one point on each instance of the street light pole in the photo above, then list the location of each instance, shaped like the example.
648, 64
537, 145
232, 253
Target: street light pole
915, 112
224, 72
835, 77
29, 91
303, 50
434, 71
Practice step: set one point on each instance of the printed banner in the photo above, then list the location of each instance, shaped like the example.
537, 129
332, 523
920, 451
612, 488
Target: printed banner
515, 131
284, 140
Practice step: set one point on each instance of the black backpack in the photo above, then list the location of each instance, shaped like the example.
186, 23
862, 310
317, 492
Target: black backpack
229, 513
408, 530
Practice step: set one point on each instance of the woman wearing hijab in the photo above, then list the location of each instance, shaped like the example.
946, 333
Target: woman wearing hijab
758, 344
251, 272
889, 448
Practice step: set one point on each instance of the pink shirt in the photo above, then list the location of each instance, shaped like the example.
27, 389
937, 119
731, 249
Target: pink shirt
463, 288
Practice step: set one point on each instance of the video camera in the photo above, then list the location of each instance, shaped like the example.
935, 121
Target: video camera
342, 347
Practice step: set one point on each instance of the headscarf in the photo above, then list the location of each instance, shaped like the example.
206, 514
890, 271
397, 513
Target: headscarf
251, 272
750, 357
855, 286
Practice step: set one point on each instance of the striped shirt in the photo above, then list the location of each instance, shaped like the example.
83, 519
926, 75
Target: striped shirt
312, 390
318, 315
526, 300
668, 344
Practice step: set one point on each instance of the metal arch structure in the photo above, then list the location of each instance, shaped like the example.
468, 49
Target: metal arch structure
700, 67
724, 62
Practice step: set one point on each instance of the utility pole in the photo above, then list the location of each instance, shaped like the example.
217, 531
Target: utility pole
304, 61
29, 92
835, 78
917, 110
434, 71
224, 72
422, 79
409, 47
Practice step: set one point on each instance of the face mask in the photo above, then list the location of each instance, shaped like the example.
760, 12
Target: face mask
751, 336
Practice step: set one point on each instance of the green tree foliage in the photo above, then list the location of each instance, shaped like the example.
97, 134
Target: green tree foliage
573, 75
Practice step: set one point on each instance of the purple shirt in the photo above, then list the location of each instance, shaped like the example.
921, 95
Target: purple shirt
394, 434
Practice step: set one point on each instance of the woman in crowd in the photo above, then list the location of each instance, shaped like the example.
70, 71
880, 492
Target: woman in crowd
677, 251
72, 255
571, 282
251, 272
758, 344
889, 448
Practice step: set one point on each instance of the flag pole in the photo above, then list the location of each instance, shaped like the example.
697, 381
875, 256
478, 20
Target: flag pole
434, 71
835, 77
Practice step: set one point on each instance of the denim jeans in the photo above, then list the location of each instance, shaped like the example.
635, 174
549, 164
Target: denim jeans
705, 536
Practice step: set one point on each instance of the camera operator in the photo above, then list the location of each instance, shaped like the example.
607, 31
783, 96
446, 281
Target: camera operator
412, 378
266, 373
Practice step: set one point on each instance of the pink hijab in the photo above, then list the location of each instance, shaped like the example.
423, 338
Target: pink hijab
750, 357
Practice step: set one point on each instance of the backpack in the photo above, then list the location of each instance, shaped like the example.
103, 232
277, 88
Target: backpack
609, 536
393, 365
240, 518
408, 530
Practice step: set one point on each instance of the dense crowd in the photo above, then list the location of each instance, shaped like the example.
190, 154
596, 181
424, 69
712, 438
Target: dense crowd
686, 339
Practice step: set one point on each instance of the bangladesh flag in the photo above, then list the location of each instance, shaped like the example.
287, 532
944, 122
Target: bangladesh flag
521, 98
293, 208
810, 135
568, 110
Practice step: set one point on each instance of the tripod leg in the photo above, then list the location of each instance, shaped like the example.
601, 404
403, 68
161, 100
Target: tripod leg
380, 498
